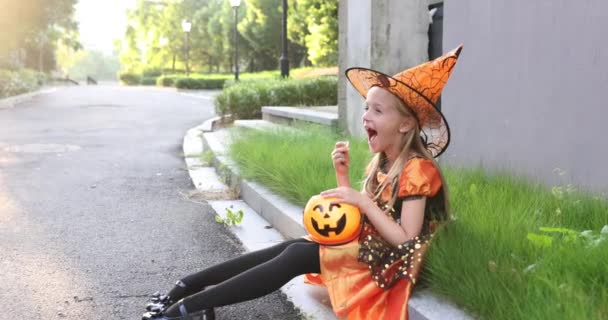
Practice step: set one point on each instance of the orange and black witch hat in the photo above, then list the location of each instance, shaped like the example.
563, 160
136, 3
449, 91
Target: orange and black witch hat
419, 88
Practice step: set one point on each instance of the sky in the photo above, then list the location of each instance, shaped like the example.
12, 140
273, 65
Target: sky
101, 22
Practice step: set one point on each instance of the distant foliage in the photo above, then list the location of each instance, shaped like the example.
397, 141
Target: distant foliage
19, 81
148, 81
165, 81
200, 83
152, 73
313, 24
83, 63
129, 78
245, 99
31, 29
154, 36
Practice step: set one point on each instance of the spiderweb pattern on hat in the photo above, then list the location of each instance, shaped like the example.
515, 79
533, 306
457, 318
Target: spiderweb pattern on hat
419, 88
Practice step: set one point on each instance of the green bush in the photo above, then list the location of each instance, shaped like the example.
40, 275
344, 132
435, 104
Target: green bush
20, 81
199, 83
152, 73
165, 81
320, 91
148, 81
41, 77
244, 100
129, 78
184, 83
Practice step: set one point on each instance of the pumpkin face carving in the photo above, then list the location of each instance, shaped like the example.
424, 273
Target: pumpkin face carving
331, 224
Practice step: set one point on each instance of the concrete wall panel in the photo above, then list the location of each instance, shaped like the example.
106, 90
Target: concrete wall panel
529, 92
386, 35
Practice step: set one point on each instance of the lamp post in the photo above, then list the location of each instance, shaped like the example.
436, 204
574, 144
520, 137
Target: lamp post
186, 26
284, 60
235, 5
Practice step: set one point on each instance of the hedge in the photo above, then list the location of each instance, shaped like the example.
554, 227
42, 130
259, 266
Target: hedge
244, 100
165, 81
20, 81
148, 81
129, 78
152, 73
199, 83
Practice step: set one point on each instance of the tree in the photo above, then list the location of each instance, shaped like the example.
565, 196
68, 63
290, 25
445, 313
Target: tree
211, 37
82, 63
261, 27
35, 28
314, 24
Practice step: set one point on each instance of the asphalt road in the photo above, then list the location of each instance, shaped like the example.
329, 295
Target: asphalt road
95, 205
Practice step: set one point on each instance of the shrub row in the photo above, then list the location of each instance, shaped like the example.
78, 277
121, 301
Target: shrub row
146, 77
148, 81
209, 81
20, 81
166, 81
129, 78
178, 81
244, 100
198, 83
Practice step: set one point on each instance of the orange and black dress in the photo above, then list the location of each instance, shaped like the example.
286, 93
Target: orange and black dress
369, 278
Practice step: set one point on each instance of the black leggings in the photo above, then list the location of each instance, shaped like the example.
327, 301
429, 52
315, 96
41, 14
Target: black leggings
246, 277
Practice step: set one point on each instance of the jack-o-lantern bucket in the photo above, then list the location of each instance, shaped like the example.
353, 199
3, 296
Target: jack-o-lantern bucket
331, 224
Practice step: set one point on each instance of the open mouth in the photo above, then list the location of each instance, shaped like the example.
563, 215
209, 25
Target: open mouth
371, 133
327, 229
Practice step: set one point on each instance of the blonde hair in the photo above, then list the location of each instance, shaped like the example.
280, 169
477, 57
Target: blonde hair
411, 145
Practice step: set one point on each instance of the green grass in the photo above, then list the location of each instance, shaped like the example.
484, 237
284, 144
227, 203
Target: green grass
296, 165
484, 260
479, 261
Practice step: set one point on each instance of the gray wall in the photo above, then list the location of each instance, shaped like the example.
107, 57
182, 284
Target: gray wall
385, 35
528, 93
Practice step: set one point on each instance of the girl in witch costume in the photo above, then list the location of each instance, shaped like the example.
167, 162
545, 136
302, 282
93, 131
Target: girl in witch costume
404, 200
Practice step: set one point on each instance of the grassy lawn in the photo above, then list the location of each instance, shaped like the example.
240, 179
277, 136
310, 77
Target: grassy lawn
515, 250
295, 164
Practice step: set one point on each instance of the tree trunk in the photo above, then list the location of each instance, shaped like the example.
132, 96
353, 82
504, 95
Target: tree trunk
40, 60
173, 66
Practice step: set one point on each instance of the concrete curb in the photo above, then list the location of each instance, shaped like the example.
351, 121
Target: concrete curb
289, 114
254, 232
11, 102
286, 218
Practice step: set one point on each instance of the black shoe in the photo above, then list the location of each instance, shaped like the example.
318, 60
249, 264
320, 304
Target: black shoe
158, 302
207, 314
156, 307
157, 297
152, 316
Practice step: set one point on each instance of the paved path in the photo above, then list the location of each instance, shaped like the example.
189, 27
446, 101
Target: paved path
97, 209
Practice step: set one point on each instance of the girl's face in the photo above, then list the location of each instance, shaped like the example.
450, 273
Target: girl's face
384, 124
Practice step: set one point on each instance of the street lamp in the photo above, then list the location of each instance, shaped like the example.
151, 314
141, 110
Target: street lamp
283, 60
235, 5
186, 26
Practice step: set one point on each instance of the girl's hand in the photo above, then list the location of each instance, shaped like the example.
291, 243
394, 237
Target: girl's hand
348, 195
341, 158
